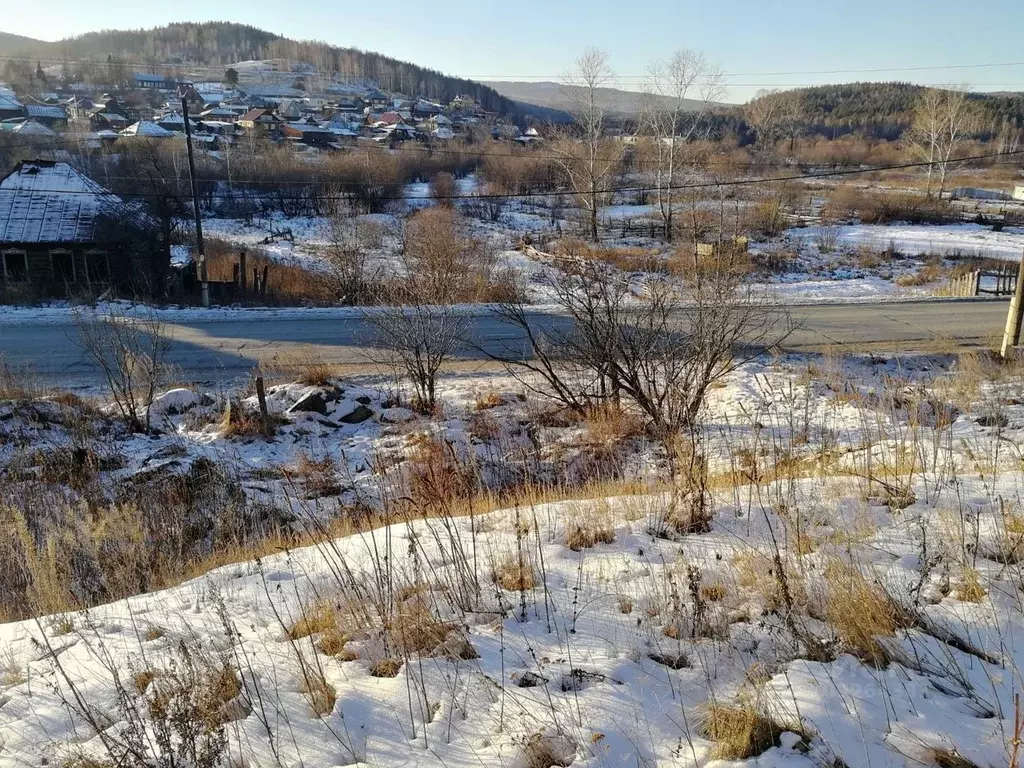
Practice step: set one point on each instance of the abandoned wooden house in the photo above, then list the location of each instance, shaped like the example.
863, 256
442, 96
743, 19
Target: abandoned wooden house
62, 233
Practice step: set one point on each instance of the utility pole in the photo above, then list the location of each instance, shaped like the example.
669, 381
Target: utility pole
1011, 334
203, 279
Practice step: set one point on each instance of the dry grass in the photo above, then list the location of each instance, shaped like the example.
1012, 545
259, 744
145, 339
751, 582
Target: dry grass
287, 283
514, 577
143, 678
240, 421
610, 425
318, 477
385, 668
320, 695
929, 273
488, 400
758, 573
859, 611
971, 589
739, 732
324, 621
589, 525
540, 751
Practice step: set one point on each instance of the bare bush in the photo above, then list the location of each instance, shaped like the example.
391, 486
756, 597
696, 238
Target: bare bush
130, 351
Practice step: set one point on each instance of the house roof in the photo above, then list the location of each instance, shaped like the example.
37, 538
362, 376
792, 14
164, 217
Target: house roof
32, 128
147, 129
49, 202
9, 103
47, 111
145, 77
255, 114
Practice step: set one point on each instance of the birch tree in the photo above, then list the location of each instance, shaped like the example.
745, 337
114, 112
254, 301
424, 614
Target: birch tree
673, 121
590, 160
943, 121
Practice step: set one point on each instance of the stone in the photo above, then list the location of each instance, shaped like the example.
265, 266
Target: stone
357, 415
314, 402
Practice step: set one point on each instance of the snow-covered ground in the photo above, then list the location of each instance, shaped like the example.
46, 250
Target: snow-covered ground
928, 239
854, 600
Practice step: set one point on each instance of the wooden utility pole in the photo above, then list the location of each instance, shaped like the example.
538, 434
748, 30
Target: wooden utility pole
1011, 334
203, 278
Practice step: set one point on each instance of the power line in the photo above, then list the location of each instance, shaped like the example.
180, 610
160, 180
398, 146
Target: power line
610, 190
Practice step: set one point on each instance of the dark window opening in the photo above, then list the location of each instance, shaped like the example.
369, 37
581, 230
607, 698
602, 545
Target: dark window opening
15, 267
63, 268
98, 267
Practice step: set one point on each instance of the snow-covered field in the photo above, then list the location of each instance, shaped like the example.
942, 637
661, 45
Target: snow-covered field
928, 239
854, 599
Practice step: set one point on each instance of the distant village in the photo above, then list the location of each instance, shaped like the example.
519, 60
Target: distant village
151, 106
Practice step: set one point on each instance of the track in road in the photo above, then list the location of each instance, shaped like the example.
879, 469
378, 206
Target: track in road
224, 350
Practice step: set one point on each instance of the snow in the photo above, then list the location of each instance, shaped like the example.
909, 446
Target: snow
921, 239
605, 660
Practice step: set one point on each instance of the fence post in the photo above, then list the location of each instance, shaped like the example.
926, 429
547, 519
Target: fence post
242, 270
261, 395
256, 279
263, 282
234, 275
974, 286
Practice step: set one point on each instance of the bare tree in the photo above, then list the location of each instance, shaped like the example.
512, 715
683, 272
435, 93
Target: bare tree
674, 122
943, 121
443, 263
590, 160
662, 351
350, 241
765, 114
418, 339
130, 351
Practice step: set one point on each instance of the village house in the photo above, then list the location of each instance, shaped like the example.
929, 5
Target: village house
260, 121
152, 82
61, 232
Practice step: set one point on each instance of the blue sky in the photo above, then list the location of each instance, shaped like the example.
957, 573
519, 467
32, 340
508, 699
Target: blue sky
538, 39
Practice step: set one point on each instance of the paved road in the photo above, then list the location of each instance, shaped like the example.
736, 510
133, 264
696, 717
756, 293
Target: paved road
226, 350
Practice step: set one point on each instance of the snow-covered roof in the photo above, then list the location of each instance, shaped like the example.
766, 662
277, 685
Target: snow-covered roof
147, 129
9, 103
443, 133
50, 202
32, 128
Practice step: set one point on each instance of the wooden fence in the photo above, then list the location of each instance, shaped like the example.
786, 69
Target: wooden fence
1001, 281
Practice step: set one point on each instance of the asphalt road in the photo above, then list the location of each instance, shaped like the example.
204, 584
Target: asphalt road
226, 350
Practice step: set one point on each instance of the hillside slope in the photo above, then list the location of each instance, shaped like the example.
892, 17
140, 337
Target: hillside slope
11, 43
884, 110
554, 96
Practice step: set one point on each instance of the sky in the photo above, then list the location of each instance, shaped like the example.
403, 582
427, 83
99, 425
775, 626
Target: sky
751, 40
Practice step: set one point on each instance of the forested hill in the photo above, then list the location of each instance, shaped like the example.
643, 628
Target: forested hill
219, 44
884, 110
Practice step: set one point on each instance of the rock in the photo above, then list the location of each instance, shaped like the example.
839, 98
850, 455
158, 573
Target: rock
363, 400
314, 402
357, 415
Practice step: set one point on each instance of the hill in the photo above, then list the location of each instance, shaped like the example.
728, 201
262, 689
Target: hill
10, 43
553, 96
208, 48
884, 110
